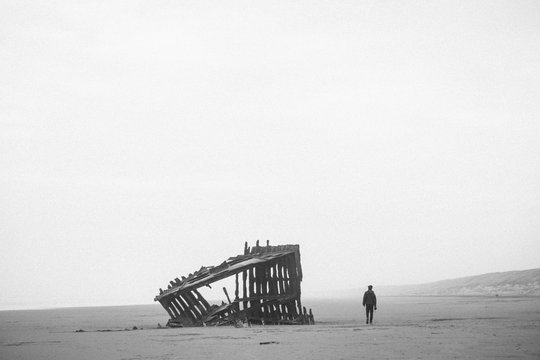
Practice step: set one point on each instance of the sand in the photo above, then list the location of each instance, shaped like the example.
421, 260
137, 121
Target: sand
404, 328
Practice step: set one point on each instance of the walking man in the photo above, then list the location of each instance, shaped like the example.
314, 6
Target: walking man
370, 303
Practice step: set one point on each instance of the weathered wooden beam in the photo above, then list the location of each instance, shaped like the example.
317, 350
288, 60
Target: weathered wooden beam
293, 283
173, 308
279, 276
265, 282
195, 304
245, 294
258, 294
236, 290
252, 292
202, 300
188, 312
169, 311
227, 295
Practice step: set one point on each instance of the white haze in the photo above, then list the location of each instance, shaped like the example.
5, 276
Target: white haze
396, 142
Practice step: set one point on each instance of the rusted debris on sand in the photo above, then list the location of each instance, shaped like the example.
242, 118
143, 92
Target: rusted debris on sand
267, 291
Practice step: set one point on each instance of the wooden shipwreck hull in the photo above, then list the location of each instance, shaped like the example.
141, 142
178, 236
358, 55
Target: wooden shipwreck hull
267, 290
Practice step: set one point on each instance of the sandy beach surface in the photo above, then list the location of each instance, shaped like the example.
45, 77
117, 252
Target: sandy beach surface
404, 328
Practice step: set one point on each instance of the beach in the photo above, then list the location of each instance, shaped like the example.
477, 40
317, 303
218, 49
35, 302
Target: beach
403, 328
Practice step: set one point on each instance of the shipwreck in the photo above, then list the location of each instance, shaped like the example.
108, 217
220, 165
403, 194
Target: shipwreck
267, 291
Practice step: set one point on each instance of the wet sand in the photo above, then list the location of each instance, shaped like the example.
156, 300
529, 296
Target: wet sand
404, 328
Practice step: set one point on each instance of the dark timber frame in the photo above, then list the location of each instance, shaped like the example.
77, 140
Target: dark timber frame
267, 290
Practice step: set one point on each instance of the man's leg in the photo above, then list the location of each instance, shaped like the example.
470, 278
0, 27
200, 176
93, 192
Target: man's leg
371, 315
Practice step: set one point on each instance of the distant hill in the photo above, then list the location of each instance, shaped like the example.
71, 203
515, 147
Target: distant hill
510, 283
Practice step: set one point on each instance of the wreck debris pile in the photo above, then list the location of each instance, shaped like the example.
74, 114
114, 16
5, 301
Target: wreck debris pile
267, 290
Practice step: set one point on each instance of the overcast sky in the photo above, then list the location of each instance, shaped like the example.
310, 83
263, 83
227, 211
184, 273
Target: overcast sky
396, 141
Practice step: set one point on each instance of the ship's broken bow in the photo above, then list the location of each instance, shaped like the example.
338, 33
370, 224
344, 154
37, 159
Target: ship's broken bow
267, 291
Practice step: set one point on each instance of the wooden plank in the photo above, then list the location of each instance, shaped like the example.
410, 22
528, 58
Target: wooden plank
275, 312
175, 308
264, 285
196, 304
236, 290
293, 283
187, 311
202, 300
252, 286
192, 304
279, 269
256, 308
200, 304
245, 294
279, 288
185, 319
286, 276
178, 305
166, 307
227, 295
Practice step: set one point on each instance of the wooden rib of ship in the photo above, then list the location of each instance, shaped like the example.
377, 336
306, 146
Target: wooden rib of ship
267, 290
